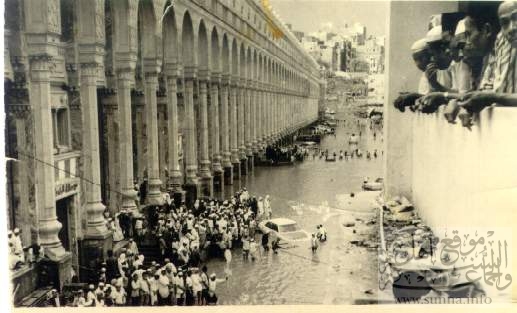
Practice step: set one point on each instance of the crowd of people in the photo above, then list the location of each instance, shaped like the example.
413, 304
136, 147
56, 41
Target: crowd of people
468, 60
278, 154
347, 154
16, 252
186, 239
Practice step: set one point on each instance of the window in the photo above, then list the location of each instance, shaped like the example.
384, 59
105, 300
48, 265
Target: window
60, 128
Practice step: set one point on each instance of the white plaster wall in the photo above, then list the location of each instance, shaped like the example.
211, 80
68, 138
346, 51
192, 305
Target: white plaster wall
465, 178
456, 177
407, 23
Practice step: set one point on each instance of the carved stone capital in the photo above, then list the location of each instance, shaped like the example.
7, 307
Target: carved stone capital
90, 69
125, 74
19, 111
40, 62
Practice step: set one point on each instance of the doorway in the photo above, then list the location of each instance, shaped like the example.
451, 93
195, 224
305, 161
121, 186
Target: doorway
63, 216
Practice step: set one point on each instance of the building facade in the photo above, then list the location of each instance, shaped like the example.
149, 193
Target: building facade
104, 95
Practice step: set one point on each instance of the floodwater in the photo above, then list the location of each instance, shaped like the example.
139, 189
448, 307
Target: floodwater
312, 192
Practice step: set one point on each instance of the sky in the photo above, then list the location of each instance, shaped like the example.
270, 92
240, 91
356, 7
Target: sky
309, 15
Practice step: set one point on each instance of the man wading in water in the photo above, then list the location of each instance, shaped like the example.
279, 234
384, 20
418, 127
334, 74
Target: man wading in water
314, 243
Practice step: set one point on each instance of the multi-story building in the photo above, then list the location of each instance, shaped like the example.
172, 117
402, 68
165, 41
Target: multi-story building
374, 55
103, 95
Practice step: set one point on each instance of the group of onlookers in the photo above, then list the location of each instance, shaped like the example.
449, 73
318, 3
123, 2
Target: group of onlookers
468, 60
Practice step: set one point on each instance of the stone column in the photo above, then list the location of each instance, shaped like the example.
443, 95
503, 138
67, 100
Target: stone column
109, 103
24, 214
204, 158
258, 119
284, 115
141, 135
217, 168
175, 177
190, 135
39, 93
225, 136
248, 130
241, 124
154, 195
269, 114
263, 118
234, 132
273, 115
254, 118
127, 190
293, 113
277, 113
95, 224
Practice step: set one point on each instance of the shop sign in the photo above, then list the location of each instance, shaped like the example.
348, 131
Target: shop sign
66, 189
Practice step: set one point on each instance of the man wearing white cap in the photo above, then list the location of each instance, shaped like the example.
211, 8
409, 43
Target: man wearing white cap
119, 294
90, 296
212, 286
436, 71
163, 289
99, 289
421, 57
18, 246
132, 246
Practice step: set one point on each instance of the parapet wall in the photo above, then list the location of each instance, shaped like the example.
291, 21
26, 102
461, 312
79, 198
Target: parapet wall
454, 176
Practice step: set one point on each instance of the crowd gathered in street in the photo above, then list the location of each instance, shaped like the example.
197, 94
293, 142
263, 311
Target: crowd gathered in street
283, 154
186, 240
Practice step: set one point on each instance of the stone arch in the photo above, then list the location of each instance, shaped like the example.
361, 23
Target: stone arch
243, 70
249, 63
255, 66
265, 68
271, 69
226, 66
170, 38
260, 68
188, 55
234, 58
124, 30
215, 51
147, 30
202, 47
274, 65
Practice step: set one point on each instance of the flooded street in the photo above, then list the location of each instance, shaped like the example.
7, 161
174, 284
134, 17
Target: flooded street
312, 192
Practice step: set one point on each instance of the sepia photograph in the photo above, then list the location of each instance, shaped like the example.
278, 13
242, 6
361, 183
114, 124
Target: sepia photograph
259, 152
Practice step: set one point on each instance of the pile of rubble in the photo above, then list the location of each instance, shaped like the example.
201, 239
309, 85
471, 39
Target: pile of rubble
411, 260
363, 237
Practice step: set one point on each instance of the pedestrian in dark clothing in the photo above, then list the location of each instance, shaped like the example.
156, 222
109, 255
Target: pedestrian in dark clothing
265, 242
254, 206
111, 266
143, 191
